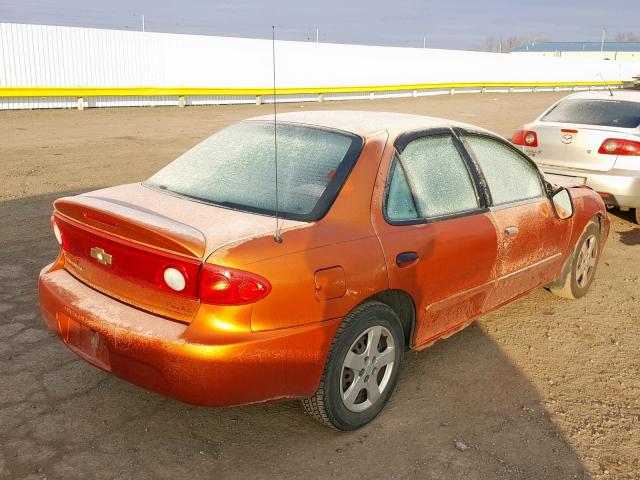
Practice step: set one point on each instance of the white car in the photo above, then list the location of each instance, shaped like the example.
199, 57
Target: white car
590, 138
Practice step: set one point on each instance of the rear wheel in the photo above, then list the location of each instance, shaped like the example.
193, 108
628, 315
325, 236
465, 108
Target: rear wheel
362, 368
582, 265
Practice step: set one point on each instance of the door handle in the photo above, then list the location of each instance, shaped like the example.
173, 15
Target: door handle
405, 259
511, 231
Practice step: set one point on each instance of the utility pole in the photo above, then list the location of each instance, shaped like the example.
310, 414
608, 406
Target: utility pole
604, 32
317, 35
142, 21
424, 42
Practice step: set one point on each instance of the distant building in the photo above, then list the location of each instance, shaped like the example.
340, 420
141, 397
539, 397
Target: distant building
606, 51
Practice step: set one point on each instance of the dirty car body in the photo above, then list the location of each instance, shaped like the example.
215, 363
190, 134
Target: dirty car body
176, 284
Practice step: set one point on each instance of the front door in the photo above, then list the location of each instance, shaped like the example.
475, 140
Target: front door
531, 237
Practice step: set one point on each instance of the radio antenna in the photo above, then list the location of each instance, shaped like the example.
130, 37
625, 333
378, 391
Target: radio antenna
277, 236
605, 82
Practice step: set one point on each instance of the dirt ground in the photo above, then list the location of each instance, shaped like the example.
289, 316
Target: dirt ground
544, 388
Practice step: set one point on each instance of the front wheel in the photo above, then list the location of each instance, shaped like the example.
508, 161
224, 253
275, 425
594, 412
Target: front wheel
362, 368
582, 267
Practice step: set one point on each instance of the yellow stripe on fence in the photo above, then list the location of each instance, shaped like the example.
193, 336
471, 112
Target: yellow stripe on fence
206, 91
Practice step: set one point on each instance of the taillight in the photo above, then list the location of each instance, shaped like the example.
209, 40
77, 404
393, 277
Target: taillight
619, 146
130, 261
148, 267
528, 138
229, 286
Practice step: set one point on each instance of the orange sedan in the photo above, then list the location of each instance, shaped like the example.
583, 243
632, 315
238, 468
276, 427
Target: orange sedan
235, 275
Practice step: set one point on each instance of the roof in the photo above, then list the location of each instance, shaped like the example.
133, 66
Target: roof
366, 123
579, 47
627, 95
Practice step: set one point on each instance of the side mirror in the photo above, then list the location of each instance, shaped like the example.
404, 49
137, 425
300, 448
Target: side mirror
562, 203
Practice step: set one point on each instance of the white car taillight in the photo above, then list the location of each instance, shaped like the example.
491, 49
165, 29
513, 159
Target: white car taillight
619, 146
529, 138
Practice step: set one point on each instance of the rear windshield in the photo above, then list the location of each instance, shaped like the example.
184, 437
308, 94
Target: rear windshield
235, 168
606, 113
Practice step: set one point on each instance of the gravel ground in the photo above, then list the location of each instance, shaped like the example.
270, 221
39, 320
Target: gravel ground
544, 388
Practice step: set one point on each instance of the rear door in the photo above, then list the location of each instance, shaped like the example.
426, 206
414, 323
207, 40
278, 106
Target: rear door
438, 237
531, 237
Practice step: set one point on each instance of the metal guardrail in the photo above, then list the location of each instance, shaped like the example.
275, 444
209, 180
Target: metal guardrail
85, 97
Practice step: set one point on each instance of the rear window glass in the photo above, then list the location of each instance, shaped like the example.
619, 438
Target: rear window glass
235, 168
606, 113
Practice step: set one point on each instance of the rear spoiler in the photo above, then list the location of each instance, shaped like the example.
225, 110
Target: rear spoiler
139, 225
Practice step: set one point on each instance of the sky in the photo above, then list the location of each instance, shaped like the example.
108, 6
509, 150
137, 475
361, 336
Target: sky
458, 24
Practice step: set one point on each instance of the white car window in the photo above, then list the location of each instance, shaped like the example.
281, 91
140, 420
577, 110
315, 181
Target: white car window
606, 113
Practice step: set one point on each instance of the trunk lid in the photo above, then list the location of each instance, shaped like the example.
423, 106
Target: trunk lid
120, 241
573, 146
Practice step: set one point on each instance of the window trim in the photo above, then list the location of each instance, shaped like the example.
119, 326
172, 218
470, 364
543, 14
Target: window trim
407, 137
463, 132
400, 144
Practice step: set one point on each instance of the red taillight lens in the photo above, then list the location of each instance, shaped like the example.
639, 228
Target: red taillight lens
618, 146
528, 138
229, 286
610, 146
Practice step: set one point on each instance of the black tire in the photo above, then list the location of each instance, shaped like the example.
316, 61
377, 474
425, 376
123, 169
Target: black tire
574, 282
327, 405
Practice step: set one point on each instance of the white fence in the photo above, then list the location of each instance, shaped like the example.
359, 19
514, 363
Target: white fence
52, 66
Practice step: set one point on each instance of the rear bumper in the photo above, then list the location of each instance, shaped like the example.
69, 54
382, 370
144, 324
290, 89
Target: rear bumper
620, 188
152, 352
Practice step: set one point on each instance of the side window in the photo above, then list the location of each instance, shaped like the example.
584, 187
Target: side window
400, 202
429, 179
510, 177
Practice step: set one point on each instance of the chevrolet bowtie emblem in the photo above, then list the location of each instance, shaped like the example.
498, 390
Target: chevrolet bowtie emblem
101, 256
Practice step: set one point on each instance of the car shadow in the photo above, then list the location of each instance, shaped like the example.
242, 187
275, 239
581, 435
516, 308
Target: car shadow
627, 237
61, 417
631, 237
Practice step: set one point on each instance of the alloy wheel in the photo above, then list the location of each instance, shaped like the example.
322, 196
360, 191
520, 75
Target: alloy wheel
587, 260
367, 368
